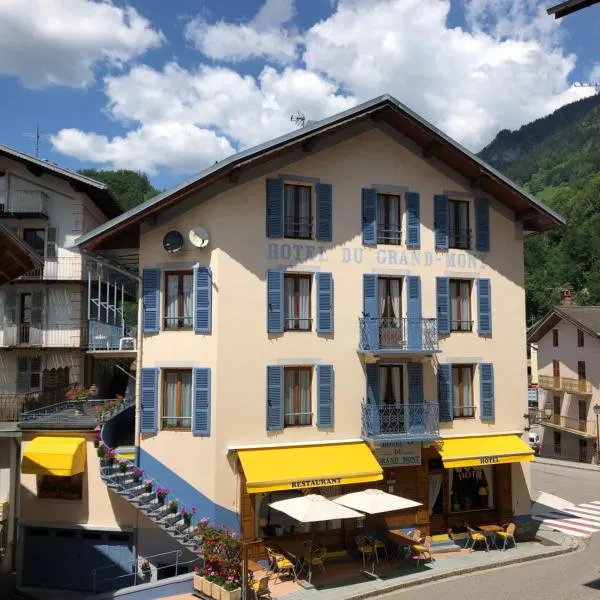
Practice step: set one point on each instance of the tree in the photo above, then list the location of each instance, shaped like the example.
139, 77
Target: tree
130, 187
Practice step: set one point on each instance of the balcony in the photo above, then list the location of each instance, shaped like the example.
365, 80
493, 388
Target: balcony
36, 335
459, 238
64, 268
395, 423
298, 227
586, 429
388, 335
25, 203
107, 337
565, 384
13, 405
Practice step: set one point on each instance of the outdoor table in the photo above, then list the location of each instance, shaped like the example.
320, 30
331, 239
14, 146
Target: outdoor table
401, 538
253, 566
490, 532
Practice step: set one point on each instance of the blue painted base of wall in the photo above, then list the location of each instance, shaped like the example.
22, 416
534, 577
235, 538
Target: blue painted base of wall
187, 495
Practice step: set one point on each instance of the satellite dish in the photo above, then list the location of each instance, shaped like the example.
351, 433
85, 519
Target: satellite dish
173, 241
199, 237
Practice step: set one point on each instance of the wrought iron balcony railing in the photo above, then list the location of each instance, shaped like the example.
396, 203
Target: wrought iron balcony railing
396, 422
459, 238
389, 235
388, 334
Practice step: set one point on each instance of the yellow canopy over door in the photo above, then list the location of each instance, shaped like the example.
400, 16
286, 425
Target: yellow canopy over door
483, 450
62, 456
298, 467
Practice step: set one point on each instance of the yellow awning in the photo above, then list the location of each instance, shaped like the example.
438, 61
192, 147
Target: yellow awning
300, 467
483, 450
62, 456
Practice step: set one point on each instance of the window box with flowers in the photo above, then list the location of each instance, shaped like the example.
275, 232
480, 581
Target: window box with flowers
78, 394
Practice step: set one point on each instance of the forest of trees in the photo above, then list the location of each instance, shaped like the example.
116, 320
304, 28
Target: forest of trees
557, 158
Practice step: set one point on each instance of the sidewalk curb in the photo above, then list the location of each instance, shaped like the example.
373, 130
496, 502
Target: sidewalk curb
567, 464
574, 546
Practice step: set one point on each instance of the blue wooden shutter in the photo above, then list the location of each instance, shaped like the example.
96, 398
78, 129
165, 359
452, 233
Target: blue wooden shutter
482, 224
445, 392
413, 220
201, 409
274, 301
369, 216
442, 295
148, 400
486, 391
413, 310
274, 398
415, 409
369, 333
440, 221
275, 208
325, 391
202, 300
372, 392
150, 300
324, 212
324, 302
484, 307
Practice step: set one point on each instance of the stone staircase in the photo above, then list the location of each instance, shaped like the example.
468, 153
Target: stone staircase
118, 475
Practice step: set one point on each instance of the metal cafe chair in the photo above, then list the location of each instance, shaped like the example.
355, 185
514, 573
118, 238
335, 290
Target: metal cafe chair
476, 538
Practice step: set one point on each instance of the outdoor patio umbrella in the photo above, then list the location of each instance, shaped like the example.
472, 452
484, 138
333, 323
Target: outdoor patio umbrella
375, 501
313, 508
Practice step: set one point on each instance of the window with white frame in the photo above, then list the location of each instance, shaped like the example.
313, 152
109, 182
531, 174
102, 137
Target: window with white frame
462, 391
179, 305
460, 305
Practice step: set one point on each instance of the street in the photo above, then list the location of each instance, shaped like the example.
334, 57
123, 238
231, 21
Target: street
574, 576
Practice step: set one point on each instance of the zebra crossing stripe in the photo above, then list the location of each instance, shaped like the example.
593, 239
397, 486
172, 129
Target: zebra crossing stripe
585, 514
556, 520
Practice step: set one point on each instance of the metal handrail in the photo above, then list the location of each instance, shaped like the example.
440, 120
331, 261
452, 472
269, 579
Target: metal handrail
459, 237
135, 573
297, 227
389, 235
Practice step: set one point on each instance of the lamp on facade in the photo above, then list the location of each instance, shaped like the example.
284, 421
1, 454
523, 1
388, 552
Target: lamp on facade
597, 413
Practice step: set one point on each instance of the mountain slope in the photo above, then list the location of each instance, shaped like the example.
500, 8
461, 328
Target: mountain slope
557, 158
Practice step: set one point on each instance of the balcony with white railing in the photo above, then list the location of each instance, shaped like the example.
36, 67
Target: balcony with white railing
63, 268
389, 335
22, 203
38, 335
404, 422
109, 337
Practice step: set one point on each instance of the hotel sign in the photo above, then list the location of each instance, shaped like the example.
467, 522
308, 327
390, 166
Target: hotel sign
398, 454
295, 253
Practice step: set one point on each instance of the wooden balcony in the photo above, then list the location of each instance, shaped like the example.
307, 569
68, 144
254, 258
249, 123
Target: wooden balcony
565, 384
586, 429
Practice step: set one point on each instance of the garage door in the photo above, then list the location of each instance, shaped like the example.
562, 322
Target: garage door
66, 558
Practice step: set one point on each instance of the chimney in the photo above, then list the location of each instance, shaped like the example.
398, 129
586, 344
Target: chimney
567, 300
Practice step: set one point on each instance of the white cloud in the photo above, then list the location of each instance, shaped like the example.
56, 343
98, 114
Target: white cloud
177, 146
470, 82
265, 36
44, 42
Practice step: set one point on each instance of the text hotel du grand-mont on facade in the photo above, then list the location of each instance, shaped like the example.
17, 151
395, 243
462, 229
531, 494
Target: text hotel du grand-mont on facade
354, 317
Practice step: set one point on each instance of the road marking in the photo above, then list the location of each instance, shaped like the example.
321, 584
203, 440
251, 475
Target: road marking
579, 520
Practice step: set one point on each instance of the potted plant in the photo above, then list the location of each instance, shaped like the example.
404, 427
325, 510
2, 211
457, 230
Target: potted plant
96, 438
161, 494
137, 474
187, 515
198, 579
101, 450
123, 465
173, 507
78, 394
109, 455
231, 590
217, 582
148, 485
146, 570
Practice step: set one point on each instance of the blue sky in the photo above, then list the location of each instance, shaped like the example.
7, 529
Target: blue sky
170, 87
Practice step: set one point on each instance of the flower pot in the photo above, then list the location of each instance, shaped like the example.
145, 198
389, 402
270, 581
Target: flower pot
215, 591
198, 581
146, 576
233, 595
206, 587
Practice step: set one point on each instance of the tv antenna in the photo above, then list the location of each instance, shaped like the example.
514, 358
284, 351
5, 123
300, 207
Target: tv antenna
37, 136
299, 119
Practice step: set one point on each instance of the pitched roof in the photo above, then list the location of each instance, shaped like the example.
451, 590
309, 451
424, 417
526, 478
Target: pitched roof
568, 7
583, 317
535, 215
17, 257
98, 192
